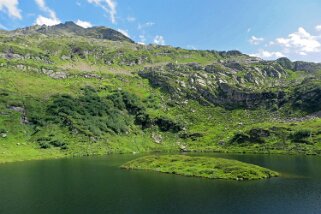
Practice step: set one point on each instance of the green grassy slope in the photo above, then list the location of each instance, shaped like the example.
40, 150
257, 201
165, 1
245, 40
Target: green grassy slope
70, 96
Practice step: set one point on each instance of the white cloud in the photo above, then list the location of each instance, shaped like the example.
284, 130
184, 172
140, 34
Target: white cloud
143, 30
83, 24
11, 7
125, 32
142, 39
256, 40
271, 43
300, 42
299, 45
109, 6
159, 40
49, 21
145, 25
41, 20
268, 54
249, 30
42, 5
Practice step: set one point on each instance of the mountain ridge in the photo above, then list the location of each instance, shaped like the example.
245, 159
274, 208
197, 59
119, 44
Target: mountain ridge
69, 28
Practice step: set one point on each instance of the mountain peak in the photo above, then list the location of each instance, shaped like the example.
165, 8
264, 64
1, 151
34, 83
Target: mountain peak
69, 23
69, 28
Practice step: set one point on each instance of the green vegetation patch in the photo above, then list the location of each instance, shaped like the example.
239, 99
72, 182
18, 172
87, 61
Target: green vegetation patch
205, 167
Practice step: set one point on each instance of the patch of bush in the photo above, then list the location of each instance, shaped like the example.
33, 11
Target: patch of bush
240, 138
166, 125
89, 114
255, 135
133, 105
44, 145
48, 142
301, 136
152, 102
94, 116
192, 136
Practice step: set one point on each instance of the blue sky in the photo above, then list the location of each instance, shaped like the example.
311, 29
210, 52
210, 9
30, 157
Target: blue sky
265, 28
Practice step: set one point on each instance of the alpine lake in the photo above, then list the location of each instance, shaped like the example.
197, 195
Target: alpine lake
99, 185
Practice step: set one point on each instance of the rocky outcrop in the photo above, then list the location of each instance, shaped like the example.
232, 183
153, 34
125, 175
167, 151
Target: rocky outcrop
58, 75
299, 65
307, 66
234, 98
227, 86
22, 111
307, 96
157, 138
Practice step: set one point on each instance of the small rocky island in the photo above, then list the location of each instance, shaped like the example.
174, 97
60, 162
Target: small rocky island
205, 167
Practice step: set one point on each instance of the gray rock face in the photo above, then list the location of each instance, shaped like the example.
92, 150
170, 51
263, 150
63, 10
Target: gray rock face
195, 66
12, 56
230, 97
92, 76
21, 67
274, 71
249, 77
64, 57
217, 84
47, 71
234, 65
158, 139
17, 109
58, 75
307, 66
22, 111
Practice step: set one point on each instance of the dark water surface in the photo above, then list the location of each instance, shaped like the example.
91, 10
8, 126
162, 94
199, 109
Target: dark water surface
97, 185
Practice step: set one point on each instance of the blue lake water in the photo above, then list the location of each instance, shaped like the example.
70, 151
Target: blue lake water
97, 185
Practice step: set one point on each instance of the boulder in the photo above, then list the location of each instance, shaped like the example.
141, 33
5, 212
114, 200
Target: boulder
58, 75
158, 139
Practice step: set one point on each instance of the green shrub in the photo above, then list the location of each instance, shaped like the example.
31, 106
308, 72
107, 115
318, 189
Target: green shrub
166, 125
93, 115
301, 136
255, 135
44, 145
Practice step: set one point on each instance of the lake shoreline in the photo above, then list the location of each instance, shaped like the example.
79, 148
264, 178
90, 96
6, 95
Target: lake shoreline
53, 156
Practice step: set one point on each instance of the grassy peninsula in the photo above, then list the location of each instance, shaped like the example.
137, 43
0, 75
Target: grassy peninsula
205, 167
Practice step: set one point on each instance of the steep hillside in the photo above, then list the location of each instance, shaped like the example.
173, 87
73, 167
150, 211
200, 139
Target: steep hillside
66, 90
